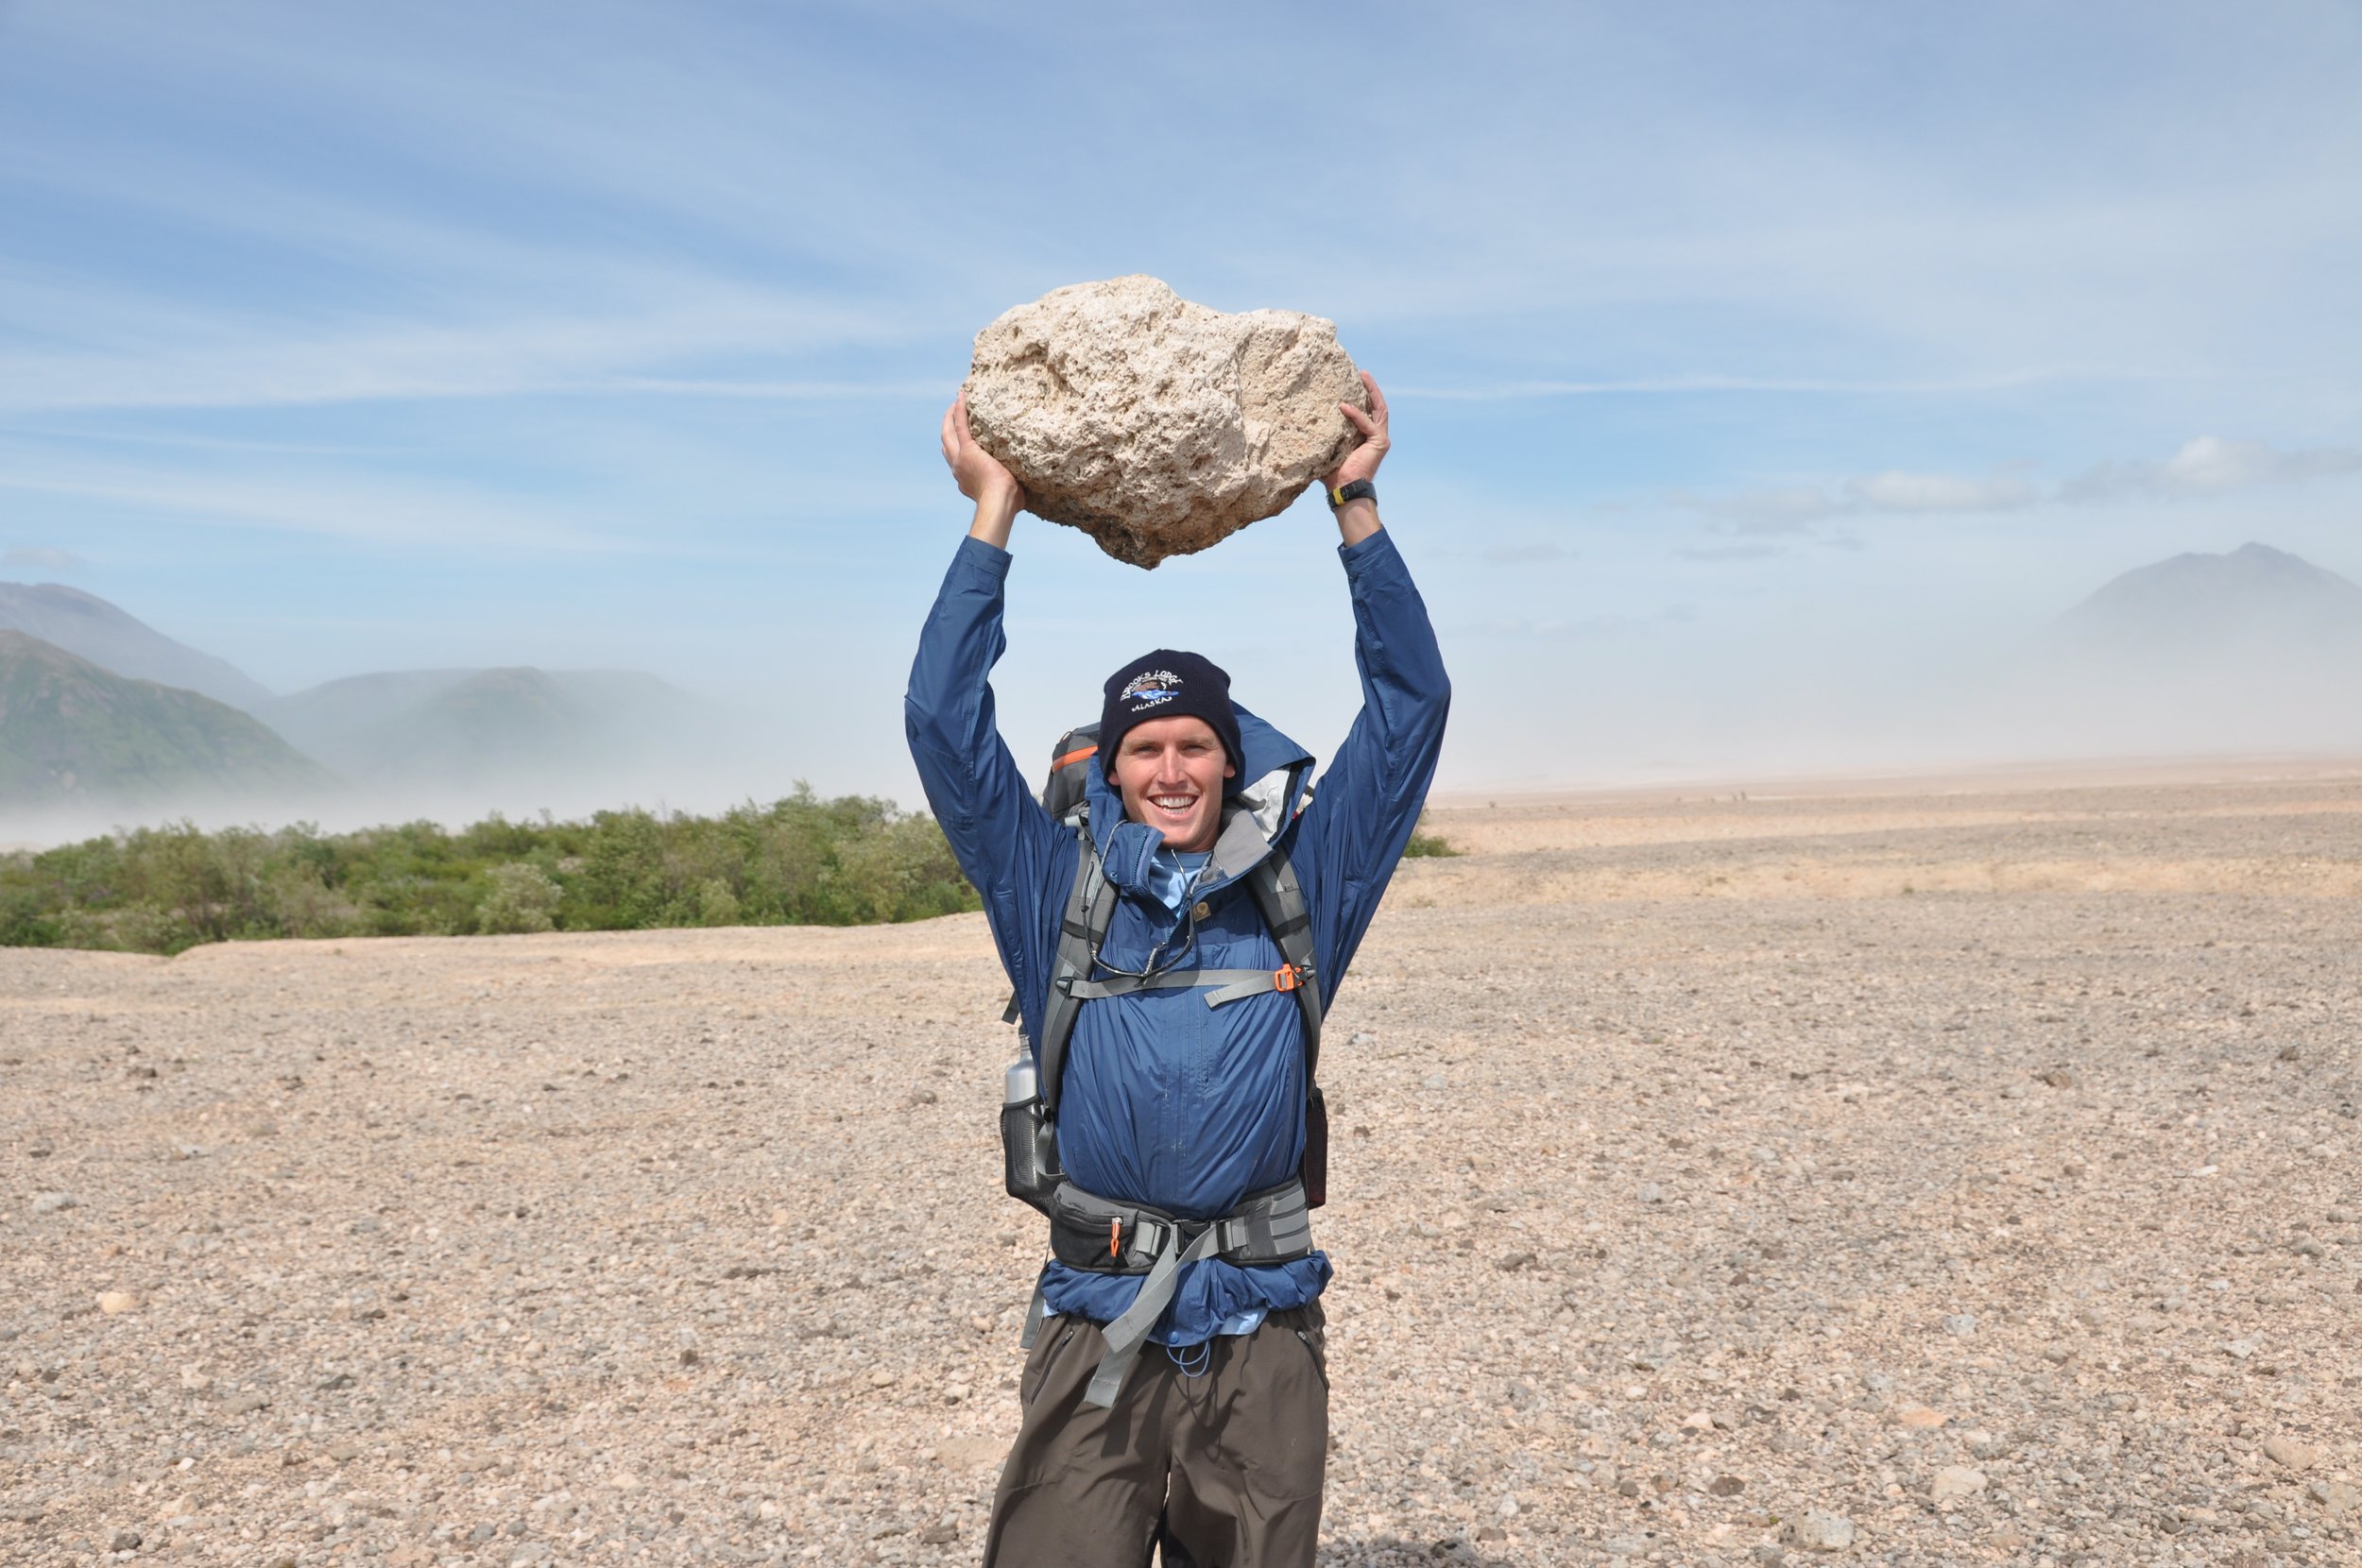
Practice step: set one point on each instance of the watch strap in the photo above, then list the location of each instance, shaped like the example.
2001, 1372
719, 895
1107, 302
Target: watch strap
1359, 489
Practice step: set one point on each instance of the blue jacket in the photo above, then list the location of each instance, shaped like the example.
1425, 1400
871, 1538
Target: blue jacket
1167, 1101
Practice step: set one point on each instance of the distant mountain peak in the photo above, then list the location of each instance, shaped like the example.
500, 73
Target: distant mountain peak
121, 643
2251, 600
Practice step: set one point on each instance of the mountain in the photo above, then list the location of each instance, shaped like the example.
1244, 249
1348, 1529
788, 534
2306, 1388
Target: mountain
73, 734
2255, 602
91, 628
2254, 651
463, 729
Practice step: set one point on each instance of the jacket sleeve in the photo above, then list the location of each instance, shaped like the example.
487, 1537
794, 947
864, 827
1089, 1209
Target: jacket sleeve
1005, 842
1369, 800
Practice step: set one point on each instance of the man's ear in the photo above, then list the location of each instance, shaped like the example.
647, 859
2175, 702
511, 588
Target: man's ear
1230, 770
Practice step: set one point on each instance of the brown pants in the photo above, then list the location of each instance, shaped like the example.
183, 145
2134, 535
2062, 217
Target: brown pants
1226, 1467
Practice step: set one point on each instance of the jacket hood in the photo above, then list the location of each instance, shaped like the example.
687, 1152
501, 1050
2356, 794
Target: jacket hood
1274, 782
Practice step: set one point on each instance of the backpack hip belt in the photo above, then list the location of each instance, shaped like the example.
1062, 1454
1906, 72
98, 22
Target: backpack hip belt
1109, 1238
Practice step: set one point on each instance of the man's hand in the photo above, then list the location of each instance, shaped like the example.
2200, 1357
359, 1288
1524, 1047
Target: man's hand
981, 477
1358, 519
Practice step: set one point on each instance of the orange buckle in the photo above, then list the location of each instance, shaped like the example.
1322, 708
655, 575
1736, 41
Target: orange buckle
1114, 1239
1284, 977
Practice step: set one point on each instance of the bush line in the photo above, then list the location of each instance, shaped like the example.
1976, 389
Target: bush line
801, 861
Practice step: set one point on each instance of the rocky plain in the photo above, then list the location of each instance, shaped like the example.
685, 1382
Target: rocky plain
1924, 1174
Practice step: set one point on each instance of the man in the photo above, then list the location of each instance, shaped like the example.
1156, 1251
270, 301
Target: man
1179, 1100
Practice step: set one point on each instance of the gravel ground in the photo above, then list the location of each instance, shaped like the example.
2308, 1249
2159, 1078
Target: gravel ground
1896, 1180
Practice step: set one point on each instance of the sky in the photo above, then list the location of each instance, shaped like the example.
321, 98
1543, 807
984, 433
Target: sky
1756, 369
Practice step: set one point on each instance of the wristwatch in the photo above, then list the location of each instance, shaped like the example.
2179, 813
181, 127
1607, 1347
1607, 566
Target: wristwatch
1361, 489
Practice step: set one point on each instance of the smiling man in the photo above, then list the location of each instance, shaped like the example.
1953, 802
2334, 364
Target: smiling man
1172, 959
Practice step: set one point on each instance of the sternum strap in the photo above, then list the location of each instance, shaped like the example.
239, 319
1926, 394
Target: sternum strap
1226, 985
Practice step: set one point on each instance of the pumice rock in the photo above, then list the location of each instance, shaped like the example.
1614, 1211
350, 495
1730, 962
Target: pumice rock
1155, 425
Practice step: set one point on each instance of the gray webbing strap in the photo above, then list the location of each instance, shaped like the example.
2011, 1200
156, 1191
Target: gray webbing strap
1232, 983
1087, 914
1279, 899
1125, 1336
1037, 1311
1250, 982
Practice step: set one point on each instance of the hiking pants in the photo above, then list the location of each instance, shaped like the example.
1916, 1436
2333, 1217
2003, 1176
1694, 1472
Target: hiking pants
1225, 1467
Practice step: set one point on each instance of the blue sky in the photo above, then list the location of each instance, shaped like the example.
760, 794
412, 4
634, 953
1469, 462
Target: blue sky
1740, 353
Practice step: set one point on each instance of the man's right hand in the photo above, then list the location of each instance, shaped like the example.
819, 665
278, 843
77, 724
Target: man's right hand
981, 477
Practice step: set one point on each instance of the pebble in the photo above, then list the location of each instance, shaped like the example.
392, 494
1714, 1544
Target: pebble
1919, 1418
1960, 1324
1818, 1531
2291, 1454
2338, 1497
113, 1301
1954, 1482
969, 1453
51, 1203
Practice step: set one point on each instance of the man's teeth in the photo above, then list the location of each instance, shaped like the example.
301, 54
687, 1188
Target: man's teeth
1174, 803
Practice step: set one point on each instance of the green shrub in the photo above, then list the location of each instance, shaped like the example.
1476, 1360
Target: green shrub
1423, 843
799, 860
522, 898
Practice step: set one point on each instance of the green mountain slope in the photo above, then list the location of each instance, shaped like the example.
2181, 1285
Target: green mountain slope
72, 733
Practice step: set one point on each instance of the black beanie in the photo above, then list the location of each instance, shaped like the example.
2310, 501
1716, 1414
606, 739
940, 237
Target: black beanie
1164, 685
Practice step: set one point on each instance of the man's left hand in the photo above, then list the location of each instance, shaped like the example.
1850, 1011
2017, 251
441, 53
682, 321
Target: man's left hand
1362, 461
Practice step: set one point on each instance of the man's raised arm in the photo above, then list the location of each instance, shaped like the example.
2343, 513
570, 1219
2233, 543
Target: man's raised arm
1369, 799
999, 834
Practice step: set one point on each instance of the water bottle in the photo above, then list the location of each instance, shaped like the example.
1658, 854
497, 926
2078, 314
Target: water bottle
1029, 1140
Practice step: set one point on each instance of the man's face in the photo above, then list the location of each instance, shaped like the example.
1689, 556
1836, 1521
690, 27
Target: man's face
1170, 773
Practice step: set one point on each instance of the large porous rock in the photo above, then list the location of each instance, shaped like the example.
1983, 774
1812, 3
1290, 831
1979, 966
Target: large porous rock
1155, 425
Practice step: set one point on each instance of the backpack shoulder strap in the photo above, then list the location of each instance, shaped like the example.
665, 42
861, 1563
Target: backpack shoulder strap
1279, 899
1089, 911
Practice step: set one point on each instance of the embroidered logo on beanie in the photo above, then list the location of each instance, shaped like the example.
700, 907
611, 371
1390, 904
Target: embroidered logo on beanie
1149, 689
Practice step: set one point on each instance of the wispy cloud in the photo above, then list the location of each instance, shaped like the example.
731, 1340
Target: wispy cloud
41, 557
1894, 491
1798, 508
241, 365
2209, 464
1608, 624
383, 512
1703, 383
1528, 552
